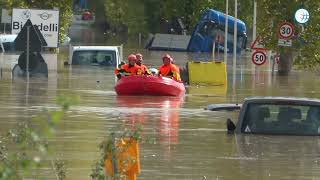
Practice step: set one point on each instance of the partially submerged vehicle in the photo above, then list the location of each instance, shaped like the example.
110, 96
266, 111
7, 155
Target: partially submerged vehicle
95, 55
7, 42
211, 27
276, 116
209, 32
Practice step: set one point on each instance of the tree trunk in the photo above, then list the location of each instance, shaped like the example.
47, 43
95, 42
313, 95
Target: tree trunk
285, 62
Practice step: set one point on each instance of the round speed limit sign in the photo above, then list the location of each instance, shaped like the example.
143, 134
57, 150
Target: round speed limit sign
286, 30
259, 58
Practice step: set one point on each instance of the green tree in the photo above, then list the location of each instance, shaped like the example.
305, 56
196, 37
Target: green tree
126, 15
152, 14
145, 15
64, 6
189, 10
306, 46
99, 12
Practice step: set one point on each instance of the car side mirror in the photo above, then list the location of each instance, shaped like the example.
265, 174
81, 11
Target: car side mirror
245, 42
66, 63
230, 126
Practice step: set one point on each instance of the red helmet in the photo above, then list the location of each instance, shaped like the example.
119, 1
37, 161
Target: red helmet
132, 57
139, 55
166, 56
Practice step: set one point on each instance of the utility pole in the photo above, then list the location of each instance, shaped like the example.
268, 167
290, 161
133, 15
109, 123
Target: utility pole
234, 64
254, 31
226, 33
235, 33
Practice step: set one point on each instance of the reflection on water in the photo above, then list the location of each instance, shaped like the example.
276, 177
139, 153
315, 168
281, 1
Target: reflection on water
166, 113
191, 143
201, 95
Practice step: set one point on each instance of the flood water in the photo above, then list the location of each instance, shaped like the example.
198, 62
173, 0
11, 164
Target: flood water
190, 142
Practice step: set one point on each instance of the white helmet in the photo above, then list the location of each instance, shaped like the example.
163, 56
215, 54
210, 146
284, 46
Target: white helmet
153, 70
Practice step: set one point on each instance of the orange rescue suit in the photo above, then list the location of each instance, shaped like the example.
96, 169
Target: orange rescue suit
144, 70
170, 70
129, 69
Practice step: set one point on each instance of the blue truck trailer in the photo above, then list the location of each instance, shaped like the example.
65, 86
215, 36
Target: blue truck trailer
209, 29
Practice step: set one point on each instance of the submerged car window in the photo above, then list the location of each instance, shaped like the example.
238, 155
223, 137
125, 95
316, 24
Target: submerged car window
208, 29
90, 57
282, 119
8, 47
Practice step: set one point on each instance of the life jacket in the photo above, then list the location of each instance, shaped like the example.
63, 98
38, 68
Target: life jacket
129, 69
144, 70
171, 71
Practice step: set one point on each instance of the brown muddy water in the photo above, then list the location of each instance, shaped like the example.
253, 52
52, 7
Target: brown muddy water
190, 142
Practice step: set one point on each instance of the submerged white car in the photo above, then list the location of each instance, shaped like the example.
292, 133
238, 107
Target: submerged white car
7, 42
276, 116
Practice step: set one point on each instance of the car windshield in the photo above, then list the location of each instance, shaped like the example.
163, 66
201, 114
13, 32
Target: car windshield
94, 57
282, 119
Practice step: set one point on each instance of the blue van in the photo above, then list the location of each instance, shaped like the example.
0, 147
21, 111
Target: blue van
211, 27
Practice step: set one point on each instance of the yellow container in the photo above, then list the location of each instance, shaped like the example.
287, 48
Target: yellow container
128, 158
207, 73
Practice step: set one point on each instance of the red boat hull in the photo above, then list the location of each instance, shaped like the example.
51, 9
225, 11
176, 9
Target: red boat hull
149, 85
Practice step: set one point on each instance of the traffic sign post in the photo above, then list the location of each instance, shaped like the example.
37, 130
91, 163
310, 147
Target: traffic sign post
286, 30
285, 42
258, 44
259, 58
302, 16
277, 58
30, 41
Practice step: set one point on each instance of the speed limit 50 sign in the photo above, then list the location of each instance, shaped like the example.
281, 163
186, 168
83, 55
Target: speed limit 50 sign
286, 30
259, 58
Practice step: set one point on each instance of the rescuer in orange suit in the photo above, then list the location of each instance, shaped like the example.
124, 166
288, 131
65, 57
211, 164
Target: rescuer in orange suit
143, 68
128, 69
168, 69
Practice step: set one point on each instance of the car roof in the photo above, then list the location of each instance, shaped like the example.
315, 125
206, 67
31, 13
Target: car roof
7, 37
85, 48
294, 100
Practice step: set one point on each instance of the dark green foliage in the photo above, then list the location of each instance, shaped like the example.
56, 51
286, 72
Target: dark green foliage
306, 44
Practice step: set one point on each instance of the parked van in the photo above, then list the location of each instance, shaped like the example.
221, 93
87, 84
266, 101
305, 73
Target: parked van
95, 55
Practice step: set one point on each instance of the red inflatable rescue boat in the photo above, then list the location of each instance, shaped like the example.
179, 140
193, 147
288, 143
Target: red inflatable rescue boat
149, 85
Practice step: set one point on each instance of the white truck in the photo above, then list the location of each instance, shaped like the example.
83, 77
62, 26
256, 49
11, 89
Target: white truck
95, 55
